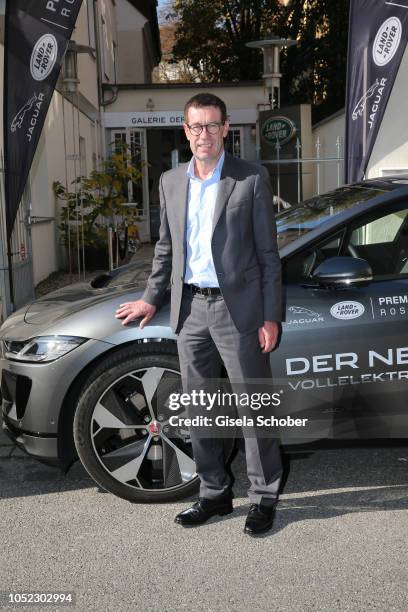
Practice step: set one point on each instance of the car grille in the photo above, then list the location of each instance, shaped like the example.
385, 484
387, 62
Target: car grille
15, 390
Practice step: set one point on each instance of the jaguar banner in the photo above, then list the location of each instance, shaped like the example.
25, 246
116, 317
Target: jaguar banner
377, 40
36, 38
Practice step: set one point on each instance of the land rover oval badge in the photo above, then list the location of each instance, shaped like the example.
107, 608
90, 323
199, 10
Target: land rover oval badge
279, 129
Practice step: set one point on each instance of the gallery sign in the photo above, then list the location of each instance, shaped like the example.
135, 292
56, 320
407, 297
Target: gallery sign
172, 118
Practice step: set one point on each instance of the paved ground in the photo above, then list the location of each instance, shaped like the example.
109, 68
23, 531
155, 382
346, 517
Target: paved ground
339, 542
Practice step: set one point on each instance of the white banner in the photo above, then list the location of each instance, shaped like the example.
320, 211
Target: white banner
174, 118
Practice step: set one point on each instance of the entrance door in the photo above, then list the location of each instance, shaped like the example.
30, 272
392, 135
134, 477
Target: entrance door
137, 191
167, 148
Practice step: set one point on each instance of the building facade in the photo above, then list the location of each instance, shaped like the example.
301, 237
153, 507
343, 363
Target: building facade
73, 139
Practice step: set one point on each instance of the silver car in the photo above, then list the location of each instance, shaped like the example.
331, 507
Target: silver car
75, 381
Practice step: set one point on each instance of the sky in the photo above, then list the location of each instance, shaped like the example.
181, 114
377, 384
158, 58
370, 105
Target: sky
160, 5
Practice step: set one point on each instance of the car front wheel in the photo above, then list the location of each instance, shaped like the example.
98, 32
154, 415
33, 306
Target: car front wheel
120, 427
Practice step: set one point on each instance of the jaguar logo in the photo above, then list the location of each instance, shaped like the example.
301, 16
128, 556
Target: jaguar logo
361, 104
306, 316
302, 310
19, 118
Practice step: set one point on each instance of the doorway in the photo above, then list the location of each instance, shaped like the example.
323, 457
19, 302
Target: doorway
137, 192
166, 149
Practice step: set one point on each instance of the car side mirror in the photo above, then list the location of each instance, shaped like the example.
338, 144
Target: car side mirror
343, 272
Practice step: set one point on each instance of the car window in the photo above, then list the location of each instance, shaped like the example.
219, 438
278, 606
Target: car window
299, 267
306, 216
383, 243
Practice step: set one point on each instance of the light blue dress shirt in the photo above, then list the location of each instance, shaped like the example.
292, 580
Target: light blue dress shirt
202, 195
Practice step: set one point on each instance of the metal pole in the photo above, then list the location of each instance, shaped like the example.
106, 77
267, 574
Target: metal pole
365, 105
338, 145
257, 139
110, 250
66, 187
81, 198
298, 148
10, 267
117, 243
76, 194
277, 147
318, 163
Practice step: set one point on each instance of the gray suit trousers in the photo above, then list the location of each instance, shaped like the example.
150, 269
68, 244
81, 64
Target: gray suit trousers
208, 337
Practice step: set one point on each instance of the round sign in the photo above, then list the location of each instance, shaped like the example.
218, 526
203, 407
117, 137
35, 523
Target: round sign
347, 310
43, 57
278, 129
387, 41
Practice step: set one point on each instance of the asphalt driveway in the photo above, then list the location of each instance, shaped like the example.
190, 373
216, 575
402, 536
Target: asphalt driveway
339, 540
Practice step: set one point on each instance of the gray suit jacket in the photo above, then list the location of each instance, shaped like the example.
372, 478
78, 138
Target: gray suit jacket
243, 244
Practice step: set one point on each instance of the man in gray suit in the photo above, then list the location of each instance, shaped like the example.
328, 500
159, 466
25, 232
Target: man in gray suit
217, 247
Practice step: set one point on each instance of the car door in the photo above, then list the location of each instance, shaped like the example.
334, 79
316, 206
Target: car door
343, 357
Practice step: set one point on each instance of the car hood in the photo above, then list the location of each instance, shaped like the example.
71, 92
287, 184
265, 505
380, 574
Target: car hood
67, 301
77, 309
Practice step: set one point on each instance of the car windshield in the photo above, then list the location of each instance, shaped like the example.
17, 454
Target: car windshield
306, 216
131, 274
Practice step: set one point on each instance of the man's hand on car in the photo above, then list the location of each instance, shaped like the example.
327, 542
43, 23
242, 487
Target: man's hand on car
135, 310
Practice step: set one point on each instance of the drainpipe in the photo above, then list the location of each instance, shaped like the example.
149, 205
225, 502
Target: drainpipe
99, 73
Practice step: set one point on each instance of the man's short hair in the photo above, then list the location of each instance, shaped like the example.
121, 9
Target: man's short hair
206, 99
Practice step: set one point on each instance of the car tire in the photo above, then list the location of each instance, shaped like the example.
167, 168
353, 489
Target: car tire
105, 449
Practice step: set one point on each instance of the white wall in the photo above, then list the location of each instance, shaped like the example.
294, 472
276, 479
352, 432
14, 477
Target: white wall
391, 148
165, 99
88, 84
132, 55
106, 17
49, 166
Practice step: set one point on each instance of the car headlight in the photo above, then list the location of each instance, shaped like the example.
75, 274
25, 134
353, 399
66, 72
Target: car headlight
41, 349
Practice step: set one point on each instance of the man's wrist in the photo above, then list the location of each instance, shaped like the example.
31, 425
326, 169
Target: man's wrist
149, 298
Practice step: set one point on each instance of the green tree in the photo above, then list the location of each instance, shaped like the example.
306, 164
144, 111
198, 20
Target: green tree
97, 201
315, 69
212, 35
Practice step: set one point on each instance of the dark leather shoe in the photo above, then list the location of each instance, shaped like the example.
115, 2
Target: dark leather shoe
259, 519
202, 510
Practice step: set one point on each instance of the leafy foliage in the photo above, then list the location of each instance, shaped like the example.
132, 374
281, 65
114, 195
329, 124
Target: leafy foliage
97, 199
212, 35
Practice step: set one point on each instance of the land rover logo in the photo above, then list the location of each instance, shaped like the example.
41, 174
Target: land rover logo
43, 57
278, 129
387, 41
347, 310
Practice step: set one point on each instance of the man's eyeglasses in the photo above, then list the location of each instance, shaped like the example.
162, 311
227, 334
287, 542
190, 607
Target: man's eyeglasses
212, 128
